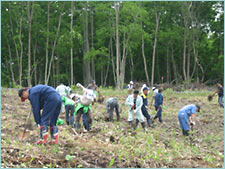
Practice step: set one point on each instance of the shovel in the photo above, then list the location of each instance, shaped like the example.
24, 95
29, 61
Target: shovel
23, 135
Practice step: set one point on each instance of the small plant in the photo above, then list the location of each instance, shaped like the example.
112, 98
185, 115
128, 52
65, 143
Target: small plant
111, 163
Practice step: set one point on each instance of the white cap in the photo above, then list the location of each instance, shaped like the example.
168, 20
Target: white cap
131, 82
144, 85
153, 88
72, 95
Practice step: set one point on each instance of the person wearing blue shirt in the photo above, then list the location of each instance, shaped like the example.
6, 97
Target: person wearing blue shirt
158, 105
184, 114
46, 98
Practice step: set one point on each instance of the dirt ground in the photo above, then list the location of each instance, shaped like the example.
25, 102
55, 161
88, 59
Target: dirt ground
114, 144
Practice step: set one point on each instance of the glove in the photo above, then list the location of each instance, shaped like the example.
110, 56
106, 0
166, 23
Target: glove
38, 125
131, 104
135, 111
192, 123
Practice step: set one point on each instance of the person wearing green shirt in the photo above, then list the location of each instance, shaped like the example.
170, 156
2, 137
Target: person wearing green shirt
69, 106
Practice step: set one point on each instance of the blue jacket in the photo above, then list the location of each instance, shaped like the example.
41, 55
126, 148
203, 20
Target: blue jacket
38, 95
158, 99
187, 110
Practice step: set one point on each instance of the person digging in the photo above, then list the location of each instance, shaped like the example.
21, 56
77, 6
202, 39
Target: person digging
94, 87
134, 101
187, 114
111, 104
158, 105
63, 91
84, 108
144, 106
69, 106
44, 98
220, 93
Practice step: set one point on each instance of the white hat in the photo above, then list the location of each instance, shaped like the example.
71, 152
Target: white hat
131, 82
153, 88
72, 95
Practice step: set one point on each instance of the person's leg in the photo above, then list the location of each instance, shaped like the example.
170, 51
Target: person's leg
117, 111
111, 107
147, 116
160, 115
53, 120
72, 115
186, 126
87, 121
67, 114
220, 100
156, 116
136, 124
140, 117
78, 116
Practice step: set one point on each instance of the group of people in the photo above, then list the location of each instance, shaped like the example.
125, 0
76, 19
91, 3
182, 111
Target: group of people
51, 101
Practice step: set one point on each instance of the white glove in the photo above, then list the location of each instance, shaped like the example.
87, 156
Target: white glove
38, 125
192, 123
131, 104
135, 111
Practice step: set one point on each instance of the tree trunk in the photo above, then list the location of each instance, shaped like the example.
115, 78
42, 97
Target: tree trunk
21, 49
92, 44
112, 60
34, 62
168, 64
117, 49
86, 63
157, 17
174, 66
71, 48
53, 50
10, 64
144, 58
29, 14
47, 43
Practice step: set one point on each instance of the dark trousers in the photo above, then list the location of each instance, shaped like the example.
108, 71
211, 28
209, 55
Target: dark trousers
158, 114
69, 114
146, 115
86, 119
111, 109
51, 110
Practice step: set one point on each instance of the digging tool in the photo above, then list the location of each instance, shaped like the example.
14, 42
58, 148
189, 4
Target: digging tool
134, 119
23, 132
192, 134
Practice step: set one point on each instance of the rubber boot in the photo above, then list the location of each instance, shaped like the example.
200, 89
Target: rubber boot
54, 135
186, 132
143, 126
77, 125
149, 122
130, 123
136, 124
118, 118
160, 119
43, 135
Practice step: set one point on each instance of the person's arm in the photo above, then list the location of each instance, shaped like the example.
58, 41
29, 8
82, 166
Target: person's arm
138, 108
82, 87
36, 108
192, 118
128, 102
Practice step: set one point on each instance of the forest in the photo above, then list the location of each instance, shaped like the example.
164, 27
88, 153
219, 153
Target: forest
111, 42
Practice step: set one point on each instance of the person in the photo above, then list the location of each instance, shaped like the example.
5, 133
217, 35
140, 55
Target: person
134, 101
130, 87
69, 106
111, 104
44, 98
220, 93
155, 91
63, 91
94, 87
144, 106
142, 88
84, 107
186, 113
158, 105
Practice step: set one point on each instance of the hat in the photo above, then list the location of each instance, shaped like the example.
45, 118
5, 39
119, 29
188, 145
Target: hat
20, 93
136, 92
93, 81
131, 82
198, 107
145, 88
153, 88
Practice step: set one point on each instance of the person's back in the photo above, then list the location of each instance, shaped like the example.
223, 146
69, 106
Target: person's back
158, 99
40, 93
220, 91
188, 109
